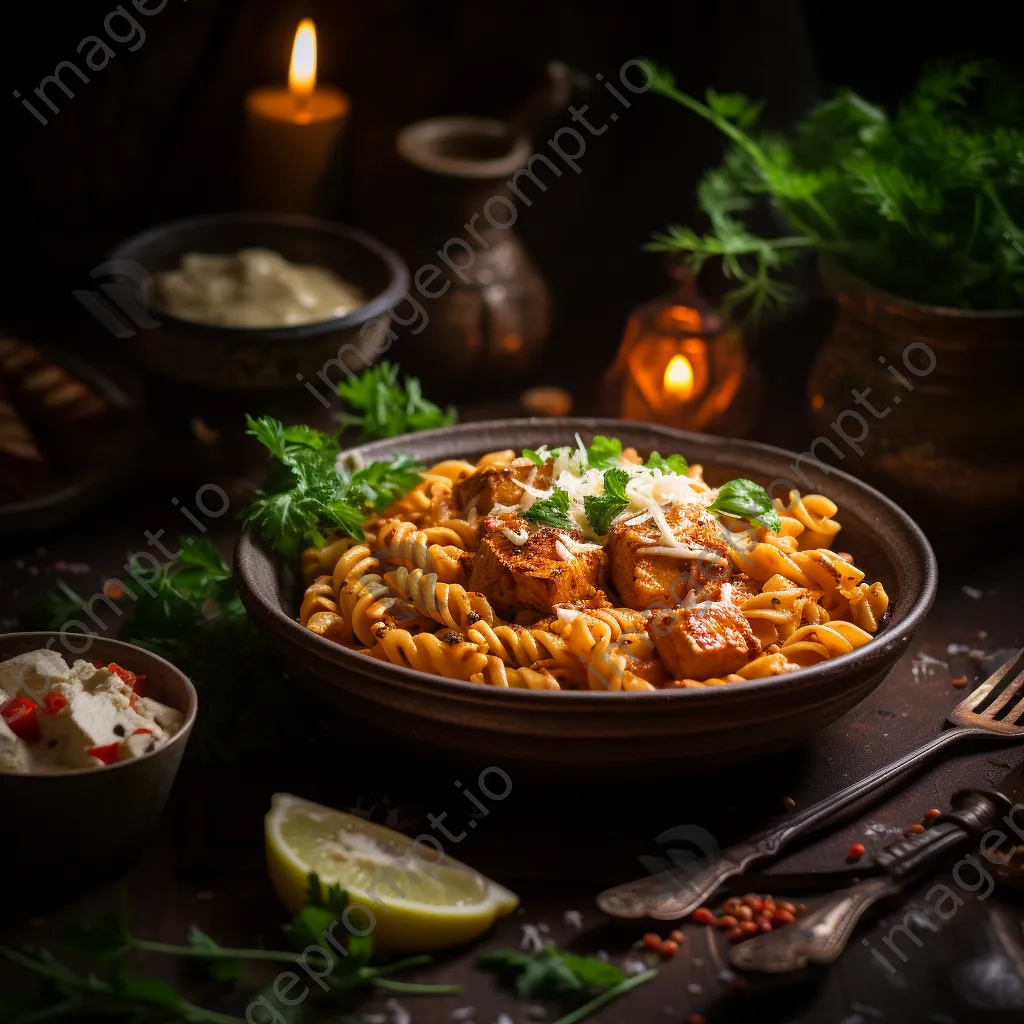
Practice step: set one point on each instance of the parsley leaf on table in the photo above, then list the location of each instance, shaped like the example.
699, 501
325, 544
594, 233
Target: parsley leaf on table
384, 406
748, 500
603, 508
553, 511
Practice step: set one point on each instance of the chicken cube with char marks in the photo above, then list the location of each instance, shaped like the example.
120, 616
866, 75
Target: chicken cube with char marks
646, 580
704, 641
533, 575
500, 485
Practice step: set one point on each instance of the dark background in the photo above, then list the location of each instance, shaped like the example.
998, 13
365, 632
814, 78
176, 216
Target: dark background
157, 133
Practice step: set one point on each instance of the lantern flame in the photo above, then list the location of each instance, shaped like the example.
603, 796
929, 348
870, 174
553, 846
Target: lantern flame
679, 378
302, 70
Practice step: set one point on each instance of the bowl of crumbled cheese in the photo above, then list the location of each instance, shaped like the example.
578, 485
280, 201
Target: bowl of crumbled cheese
92, 733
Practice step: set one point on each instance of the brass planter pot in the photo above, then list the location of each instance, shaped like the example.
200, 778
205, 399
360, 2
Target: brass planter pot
927, 401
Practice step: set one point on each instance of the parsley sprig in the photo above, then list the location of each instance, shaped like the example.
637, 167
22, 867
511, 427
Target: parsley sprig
123, 994
744, 498
311, 494
382, 405
554, 973
553, 511
603, 508
925, 202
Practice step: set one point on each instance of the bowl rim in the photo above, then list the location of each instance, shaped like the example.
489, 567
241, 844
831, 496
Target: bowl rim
378, 304
181, 736
250, 556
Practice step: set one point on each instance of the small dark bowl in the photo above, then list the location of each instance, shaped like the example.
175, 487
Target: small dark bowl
618, 732
85, 823
264, 358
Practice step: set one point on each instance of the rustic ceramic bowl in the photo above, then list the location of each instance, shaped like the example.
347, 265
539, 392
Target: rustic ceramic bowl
618, 731
265, 358
84, 824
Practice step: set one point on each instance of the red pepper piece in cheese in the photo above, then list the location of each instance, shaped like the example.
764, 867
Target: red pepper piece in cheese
107, 754
21, 718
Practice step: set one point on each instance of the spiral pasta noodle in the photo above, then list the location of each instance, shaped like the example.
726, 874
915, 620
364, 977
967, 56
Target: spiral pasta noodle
447, 603
451, 656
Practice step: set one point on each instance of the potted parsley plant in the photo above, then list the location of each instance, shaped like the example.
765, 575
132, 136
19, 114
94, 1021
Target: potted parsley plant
917, 217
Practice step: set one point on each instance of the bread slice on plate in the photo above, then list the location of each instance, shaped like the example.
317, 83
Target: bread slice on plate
22, 466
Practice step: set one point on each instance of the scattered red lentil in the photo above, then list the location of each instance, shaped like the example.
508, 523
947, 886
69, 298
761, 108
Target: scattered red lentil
856, 851
783, 917
916, 829
932, 813
801, 908
754, 901
652, 942
725, 921
748, 928
696, 1018
764, 923
702, 916
677, 936
787, 906
959, 680
113, 590
669, 948
743, 913
788, 802
735, 934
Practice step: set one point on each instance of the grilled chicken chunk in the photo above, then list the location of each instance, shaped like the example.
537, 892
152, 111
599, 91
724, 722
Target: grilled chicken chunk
704, 641
644, 580
533, 575
500, 485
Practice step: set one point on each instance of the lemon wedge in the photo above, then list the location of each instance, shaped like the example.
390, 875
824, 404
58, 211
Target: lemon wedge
411, 895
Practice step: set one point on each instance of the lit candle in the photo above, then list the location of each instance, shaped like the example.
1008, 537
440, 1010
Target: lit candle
293, 132
678, 379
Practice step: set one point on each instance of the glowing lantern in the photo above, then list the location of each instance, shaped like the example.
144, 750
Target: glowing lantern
680, 364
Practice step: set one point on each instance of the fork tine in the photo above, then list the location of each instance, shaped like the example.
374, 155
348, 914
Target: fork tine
1012, 670
1010, 695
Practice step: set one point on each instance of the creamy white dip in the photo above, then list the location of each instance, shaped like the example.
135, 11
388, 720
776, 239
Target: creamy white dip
254, 288
80, 716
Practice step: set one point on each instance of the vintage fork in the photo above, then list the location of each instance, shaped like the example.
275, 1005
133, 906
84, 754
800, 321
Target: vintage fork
989, 710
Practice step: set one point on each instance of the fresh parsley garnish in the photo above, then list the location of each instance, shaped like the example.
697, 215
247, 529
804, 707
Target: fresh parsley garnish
553, 511
114, 992
744, 498
603, 508
381, 405
923, 201
671, 464
553, 973
604, 452
313, 495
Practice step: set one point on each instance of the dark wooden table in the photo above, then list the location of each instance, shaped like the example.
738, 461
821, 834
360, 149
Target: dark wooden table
558, 845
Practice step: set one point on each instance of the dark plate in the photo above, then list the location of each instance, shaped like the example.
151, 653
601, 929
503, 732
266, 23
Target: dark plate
69, 491
585, 728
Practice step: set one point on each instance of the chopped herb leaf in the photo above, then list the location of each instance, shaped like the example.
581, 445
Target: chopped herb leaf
672, 464
553, 511
744, 498
602, 509
604, 452
535, 457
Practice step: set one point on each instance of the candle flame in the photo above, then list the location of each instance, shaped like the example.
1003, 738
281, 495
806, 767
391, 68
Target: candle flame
679, 377
302, 70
